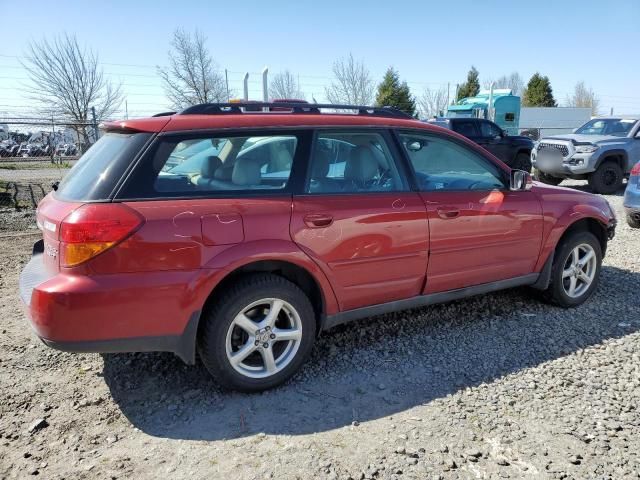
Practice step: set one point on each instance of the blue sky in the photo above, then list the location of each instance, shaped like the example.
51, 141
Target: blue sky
429, 43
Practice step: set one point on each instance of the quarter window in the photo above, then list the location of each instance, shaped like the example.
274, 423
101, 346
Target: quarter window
441, 164
218, 164
350, 162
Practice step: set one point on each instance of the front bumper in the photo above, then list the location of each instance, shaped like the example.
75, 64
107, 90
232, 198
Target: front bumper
631, 200
129, 312
575, 164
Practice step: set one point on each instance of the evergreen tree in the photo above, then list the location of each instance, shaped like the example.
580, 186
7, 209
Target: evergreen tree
471, 87
393, 93
538, 92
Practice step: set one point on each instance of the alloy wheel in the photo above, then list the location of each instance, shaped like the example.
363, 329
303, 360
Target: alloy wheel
579, 270
263, 338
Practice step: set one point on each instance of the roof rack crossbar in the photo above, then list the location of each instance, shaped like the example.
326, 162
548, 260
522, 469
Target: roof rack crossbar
289, 107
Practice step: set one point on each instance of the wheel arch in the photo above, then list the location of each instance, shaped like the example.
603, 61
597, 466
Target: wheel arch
587, 224
618, 155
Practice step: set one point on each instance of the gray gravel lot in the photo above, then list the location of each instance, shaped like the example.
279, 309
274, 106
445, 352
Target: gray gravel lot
499, 386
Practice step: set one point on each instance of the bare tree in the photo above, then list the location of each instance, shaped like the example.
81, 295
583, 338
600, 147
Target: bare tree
285, 85
513, 82
352, 84
67, 81
432, 103
192, 76
583, 97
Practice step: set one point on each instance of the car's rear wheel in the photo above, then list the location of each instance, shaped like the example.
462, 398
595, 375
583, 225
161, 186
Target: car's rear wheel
522, 162
607, 179
546, 178
576, 270
257, 334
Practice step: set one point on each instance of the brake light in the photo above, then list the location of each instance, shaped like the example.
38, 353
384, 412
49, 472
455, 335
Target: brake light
636, 169
94, 228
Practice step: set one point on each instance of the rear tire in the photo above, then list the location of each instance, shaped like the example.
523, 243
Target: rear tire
576, 270
257, 334
607, 179
633, 222
546, 178
522, 162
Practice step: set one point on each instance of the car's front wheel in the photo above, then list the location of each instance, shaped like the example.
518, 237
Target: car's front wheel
607, 179
257, 334
522, 162
576, 270
633, 220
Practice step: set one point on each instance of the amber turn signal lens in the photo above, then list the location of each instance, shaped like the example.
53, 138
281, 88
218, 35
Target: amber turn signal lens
76, 253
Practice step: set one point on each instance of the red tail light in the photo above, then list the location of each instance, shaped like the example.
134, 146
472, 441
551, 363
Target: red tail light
636, 169
94, 228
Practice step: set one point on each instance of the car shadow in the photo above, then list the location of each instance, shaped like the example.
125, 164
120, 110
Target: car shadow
375, 368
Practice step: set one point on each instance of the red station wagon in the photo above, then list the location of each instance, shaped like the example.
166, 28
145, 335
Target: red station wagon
242, 234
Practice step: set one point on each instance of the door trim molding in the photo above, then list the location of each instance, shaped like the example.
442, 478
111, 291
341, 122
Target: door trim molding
331, 321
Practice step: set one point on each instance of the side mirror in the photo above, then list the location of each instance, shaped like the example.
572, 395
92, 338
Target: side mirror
520, 181
638, 134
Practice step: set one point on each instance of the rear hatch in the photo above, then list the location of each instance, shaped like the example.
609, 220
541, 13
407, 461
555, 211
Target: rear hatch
92, 181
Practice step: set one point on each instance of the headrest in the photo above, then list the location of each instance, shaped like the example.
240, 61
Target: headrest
209, 166
246, 172
320, 165
362, 165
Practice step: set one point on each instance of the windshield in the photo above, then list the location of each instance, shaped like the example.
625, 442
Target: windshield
609, 126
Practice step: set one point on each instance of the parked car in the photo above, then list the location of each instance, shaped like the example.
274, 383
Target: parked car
631, 199
294, 222
602, 151
514, 150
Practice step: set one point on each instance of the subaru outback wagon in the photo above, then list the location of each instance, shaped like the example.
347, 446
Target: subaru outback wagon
240, 235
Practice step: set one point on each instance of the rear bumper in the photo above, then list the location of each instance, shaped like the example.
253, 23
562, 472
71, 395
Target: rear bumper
129, 312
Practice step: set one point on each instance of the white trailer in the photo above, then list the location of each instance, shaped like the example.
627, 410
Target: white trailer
539, 122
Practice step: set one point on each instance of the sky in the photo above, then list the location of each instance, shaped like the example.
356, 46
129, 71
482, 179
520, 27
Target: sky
430, 43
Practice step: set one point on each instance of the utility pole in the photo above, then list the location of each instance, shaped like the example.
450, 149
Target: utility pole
448, 92
226, 81
126, 110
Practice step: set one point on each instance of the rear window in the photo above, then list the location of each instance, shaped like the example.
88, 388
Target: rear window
98, 171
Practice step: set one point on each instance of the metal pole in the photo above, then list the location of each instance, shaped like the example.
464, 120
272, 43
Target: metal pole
448, 92
126, 110
226, 81
265, 84
246, 86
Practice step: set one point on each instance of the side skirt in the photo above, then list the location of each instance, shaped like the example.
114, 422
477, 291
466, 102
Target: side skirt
424, 300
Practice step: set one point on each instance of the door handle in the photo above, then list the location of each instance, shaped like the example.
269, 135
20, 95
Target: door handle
448, 212
318, 220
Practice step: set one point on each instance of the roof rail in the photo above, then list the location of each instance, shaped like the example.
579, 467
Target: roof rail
289, 107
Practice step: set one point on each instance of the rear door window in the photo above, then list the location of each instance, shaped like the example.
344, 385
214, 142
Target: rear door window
468, 128
100, 169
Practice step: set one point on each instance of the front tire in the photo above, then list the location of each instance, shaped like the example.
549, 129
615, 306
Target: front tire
633, 222
607, 179
257, 334
576, 270
522, 162
546, 178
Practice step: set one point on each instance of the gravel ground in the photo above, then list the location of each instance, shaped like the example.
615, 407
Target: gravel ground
500, 386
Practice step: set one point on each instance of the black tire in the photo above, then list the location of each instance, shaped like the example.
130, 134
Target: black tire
546, 178
633, 222
555, 292
522, 162
216, 322
607, 179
